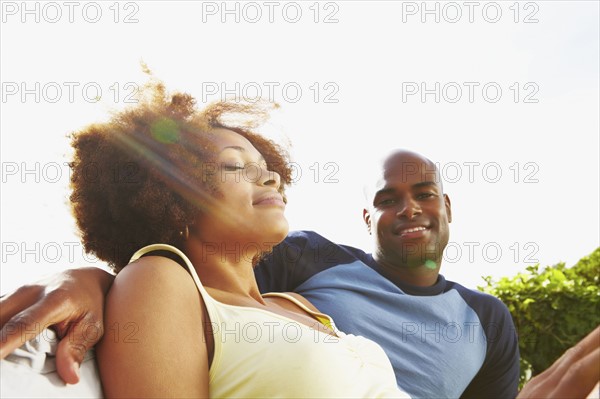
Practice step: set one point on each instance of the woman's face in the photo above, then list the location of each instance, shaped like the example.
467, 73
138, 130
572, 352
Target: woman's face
248, 214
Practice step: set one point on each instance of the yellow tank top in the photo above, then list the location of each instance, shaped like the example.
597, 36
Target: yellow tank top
259, 354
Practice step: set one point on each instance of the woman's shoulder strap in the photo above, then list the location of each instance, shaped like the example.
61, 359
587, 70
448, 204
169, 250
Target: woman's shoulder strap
169, 248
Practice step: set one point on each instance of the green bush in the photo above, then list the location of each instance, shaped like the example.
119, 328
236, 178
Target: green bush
552, 308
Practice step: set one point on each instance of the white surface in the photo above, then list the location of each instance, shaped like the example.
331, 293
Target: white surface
30, 372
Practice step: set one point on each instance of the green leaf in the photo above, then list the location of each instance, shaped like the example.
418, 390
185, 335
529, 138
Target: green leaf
552, 308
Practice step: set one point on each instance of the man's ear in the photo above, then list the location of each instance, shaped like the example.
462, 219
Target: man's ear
448, 207
367, 219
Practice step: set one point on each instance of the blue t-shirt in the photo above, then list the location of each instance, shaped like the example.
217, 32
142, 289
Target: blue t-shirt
444, 341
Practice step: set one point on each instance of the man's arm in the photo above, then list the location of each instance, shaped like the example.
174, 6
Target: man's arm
574, 375
70, 302
299, 257
499, 374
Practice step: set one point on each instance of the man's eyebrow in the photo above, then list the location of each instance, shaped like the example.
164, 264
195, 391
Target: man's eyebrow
389, 190
384, 191
424, 184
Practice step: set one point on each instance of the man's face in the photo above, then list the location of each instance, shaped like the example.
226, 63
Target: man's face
408, 214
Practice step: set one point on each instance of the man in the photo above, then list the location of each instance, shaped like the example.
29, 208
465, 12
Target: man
443, 339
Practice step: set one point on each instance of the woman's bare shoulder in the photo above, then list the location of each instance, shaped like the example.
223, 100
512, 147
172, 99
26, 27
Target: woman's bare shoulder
155, 275
154, 318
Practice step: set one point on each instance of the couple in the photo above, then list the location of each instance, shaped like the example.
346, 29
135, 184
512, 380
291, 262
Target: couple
213, 196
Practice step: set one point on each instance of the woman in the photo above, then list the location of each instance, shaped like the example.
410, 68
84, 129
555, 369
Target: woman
212, 197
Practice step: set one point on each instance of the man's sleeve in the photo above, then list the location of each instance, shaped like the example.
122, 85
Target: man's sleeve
499, 375
299, 257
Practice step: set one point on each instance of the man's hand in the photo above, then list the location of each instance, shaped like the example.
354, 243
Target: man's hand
573, 375
71, 302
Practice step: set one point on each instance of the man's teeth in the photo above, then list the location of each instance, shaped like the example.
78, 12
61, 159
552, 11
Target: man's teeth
413, 230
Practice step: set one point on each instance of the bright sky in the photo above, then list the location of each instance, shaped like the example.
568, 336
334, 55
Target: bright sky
504, 95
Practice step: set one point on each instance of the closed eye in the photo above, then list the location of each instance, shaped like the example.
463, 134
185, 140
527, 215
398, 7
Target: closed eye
231, 168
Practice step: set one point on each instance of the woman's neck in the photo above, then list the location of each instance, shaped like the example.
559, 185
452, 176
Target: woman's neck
222, 268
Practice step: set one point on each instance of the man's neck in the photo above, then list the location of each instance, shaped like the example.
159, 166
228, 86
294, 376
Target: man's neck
418, 275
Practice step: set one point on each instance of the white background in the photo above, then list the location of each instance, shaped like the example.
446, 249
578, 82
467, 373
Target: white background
362, 55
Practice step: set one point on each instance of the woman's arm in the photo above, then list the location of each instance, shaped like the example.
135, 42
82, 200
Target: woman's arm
154, 343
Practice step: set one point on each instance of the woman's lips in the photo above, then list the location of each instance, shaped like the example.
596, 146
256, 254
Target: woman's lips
271, 200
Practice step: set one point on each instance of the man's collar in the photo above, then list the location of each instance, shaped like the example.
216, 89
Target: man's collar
435, 289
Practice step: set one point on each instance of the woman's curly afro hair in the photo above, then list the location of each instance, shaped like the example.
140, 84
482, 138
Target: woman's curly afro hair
140, 178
